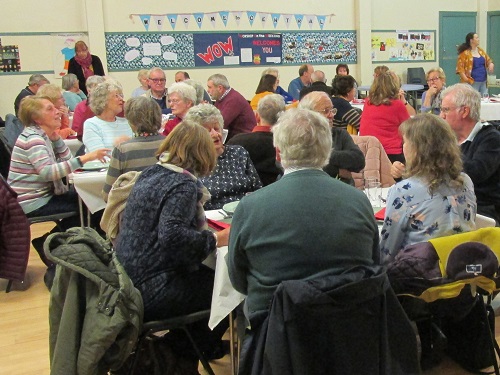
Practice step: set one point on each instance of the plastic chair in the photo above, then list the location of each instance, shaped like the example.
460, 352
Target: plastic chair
150, 329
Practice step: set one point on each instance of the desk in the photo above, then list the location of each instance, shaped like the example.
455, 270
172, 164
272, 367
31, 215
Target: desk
89, 186
490, 111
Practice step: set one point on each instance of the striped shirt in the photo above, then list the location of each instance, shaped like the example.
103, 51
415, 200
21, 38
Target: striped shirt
134, 155
99, 134
346, 114
32, 170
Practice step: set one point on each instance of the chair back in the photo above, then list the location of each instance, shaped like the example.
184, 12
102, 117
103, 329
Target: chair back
416, 76
13, 127
5, 154
377, 163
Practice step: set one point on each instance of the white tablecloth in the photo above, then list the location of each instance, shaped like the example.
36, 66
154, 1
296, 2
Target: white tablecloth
490, 111
224, 297
73, 144
89, 186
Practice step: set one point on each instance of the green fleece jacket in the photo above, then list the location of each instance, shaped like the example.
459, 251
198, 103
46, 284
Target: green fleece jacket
95, 313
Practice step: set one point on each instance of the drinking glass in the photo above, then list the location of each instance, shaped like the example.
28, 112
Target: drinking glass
373, 191
486, 97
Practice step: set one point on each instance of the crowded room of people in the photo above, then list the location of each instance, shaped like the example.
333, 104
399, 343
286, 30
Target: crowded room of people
250, 188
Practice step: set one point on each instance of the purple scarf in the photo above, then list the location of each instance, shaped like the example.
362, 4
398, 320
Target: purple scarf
86, 64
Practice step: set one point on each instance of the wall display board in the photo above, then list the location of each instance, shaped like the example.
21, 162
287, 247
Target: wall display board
403, 45
327, 47
134, 51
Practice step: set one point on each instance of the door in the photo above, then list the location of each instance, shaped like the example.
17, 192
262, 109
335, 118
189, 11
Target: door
493, 48
453, 27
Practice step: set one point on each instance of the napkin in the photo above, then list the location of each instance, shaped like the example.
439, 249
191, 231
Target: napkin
380, 215
217, 225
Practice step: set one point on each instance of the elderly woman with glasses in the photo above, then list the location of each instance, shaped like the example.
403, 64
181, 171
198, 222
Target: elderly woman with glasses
235, 175
105, 129
346, 157
181, 97
431, 99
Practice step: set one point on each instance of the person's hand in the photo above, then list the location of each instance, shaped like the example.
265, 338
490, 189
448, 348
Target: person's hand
402, 95
64, 110
491, 67
120, 140
432, 91
397, 169
54, 136
102, 155
223, 237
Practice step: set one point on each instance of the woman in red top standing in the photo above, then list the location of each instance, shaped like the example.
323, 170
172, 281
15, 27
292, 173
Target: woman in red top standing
383, 112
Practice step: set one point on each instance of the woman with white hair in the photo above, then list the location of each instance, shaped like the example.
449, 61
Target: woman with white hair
105, 129
72, 94
235, 175
181, 97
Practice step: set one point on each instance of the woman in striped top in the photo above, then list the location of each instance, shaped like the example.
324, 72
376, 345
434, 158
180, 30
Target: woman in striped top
40, 159
344, 90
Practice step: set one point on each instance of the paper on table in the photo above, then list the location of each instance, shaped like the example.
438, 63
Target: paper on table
380, 215
224, 297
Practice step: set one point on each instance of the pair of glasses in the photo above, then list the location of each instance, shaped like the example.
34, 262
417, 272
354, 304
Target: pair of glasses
158, 80
174, 101
445, 110
119, 96
432, 80
327, 111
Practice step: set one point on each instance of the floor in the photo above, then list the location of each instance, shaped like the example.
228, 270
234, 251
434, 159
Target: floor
24, 326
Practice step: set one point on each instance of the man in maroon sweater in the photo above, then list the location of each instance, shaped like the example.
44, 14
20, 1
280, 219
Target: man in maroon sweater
237, 113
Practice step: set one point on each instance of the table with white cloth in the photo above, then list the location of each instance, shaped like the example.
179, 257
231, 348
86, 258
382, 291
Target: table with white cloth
490, 111
73, 144
411, 89
88, 185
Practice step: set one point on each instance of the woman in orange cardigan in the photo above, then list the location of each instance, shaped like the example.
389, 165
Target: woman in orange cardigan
473, 63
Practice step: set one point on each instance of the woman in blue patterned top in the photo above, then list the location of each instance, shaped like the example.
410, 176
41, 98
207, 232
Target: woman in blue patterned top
435, 198
235, 175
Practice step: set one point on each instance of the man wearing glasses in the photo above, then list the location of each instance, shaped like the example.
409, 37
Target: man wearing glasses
479, 143
158, 91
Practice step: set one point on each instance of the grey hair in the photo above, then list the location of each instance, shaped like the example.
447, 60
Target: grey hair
144, 114
465, 95
185, 91
219, 79
312, 99
156, 69
270, 108
93, 81
200, 90
204, 114
318, 76
35, 79
303, 138
272, 71
142, 73
99, 97
68, 81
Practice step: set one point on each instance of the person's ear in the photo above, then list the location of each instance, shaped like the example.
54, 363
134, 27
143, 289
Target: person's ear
466, 112
257, 117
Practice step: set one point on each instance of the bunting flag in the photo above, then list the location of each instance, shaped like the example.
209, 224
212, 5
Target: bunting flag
275, 18
224, 16
310, 20
321, 21
145, 18
237, 17
212, 17
263, 18
185, 18
172, 20
299, 18
288, 20
159, 20
199, 18
251, 17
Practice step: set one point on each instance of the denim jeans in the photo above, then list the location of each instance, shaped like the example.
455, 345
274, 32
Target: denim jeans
481, 87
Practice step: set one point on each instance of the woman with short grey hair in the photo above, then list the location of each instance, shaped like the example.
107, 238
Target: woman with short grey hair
106, 130
144, 117
72, 94
235, 175
181, 97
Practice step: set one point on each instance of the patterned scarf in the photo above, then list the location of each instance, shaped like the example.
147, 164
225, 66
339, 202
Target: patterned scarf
86, 64
203, 194
59, 187
436, 101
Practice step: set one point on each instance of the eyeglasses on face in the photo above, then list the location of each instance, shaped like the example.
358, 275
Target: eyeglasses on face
158, 80
433, 79
445, 110
327, 111
174, 101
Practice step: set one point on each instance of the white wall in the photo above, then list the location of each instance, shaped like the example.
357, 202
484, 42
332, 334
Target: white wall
99, 16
